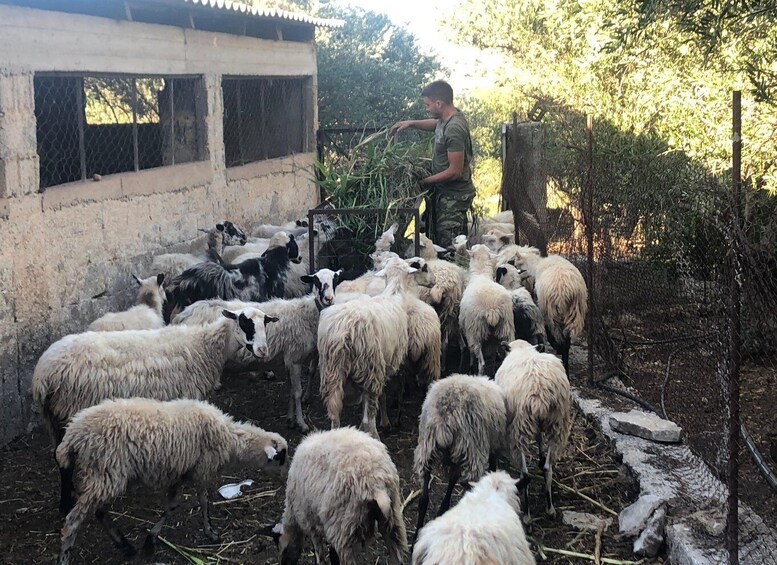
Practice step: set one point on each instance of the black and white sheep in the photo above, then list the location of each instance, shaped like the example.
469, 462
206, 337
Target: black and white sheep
538, 398
253, 280
81, 370
483, 528
461, 427
293, 336
340, 484
529, 324
145, 315
162, 445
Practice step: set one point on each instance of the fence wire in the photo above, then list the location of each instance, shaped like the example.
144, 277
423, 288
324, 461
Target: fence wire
104, 124
664, 258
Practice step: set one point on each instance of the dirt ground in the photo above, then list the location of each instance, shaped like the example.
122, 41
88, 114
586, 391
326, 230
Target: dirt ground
590, 476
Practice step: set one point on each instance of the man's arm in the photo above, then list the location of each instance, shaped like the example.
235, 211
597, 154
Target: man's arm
426, 125
453, 172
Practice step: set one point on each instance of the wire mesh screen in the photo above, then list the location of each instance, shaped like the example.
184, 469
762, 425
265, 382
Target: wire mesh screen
264, 118
88, 125
664, 257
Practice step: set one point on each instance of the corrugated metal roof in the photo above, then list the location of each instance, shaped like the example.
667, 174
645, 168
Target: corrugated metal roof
263, 11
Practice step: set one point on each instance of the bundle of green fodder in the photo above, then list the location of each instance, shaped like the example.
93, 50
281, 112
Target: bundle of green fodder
378, 172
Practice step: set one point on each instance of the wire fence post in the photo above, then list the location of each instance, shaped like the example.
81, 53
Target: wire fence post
732, 519
589, 230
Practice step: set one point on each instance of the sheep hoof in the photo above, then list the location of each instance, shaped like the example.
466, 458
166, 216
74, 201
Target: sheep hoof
551, 512
128, 550
303, 427
149, 545
214, 535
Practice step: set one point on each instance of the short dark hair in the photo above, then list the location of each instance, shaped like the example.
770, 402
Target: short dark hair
439, 90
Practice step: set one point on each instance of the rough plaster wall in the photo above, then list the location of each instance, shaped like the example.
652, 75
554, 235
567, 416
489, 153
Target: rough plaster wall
67, 255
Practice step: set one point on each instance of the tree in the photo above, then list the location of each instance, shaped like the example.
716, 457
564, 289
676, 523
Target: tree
369, 71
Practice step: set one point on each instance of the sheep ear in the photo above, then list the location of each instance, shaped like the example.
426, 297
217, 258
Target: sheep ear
439, 249
270, 319
228, 314
415, 265
137, 280
308, 279
160, 278
470, 253
522, 482
500, 272
336, 278
220, 227
412, 270
506, 239
280, 457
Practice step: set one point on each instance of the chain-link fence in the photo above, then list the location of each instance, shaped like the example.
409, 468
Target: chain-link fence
89, 125
264, 118
682, 273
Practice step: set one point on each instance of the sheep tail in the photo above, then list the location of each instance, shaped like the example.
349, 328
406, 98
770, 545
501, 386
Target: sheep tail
574, 318
436, 294
493, 316
387, 511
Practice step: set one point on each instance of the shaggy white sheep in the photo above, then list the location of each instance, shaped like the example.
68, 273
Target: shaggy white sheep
561, 295
483, 528
341, 482
82, 370
161, 445
364, 342
145, 315
293, 336
486, 310
536, 390
462, 427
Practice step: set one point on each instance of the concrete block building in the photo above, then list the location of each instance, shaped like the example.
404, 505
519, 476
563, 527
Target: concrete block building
126, 125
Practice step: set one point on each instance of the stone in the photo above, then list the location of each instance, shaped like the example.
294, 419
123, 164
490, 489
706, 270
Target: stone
584, 521
652, 537
632, 519
645, 425
713, 521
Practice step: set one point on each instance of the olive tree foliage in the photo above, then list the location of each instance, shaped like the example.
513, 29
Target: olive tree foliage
371, 71
660, 98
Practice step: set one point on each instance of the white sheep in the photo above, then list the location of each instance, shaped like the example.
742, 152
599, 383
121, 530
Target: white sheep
364, 342
483, 528
145, 315
462, 427
293, 336
81, 370
529, 324
108, 447
561, 295
538, 398
486, 310
340, 483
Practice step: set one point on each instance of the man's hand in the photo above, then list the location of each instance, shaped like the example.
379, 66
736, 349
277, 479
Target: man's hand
400, 125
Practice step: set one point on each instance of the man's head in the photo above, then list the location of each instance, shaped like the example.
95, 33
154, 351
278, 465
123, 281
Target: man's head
437, 96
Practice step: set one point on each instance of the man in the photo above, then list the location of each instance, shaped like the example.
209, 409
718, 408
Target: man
450, 183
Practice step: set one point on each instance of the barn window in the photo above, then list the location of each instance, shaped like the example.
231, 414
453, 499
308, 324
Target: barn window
264, 118
105, 124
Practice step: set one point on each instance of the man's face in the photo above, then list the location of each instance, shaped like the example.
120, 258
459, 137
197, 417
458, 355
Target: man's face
434, 107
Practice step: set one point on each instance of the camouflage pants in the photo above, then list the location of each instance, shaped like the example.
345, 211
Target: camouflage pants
448, 215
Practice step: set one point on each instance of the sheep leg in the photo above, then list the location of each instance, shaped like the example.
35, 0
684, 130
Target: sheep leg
206, 525
478, 352
423, 504
73, 522
370, 402
66, 499
525, 490
172, 504
453, 478
565, 346
463, 354
492, 458
318, 547
344, 555
114, 532
295, 398
547, 470
385, 422
334, 559
312, 368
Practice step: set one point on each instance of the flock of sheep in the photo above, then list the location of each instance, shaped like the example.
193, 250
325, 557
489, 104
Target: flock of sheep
124, 401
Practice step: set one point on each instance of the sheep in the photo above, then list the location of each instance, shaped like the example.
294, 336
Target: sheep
538, 400
462, 426
340, 483
386, 239
116, 443
561, 295
253, 280
460, 256
486, 310
364, 342
145, 315
172, 264
254, 247
80, 370
295, 227
529, 325
483, 528
447, 291
293, 336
